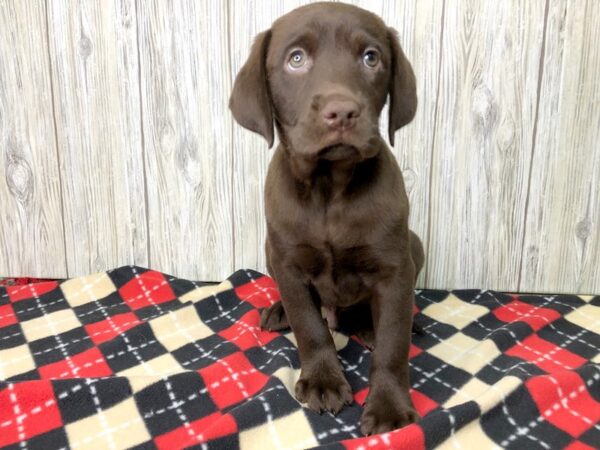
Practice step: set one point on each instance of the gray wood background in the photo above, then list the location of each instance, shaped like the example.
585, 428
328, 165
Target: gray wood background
117, 147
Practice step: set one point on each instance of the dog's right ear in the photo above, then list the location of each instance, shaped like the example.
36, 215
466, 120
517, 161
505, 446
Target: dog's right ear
403, 88
250, 101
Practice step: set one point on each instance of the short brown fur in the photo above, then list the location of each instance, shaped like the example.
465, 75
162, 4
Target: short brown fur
335, 202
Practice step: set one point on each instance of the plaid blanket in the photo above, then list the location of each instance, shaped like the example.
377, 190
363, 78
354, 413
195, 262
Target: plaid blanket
133, 358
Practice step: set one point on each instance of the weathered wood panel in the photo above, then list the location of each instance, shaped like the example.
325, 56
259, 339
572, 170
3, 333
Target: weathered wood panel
93, 54
250, 154
31, 226
186, 80
561, 250
483, 141
419, 26
120, 109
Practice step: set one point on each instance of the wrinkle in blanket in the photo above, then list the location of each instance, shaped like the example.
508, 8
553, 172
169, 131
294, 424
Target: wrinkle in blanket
134, 358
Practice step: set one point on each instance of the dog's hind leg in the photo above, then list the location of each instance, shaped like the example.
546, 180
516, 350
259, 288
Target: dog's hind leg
273, 318
417, 252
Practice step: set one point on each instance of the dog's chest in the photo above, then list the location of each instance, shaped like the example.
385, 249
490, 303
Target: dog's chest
334, 251
340, 275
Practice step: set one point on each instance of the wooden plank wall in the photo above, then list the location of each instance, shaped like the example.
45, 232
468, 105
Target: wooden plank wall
117, 147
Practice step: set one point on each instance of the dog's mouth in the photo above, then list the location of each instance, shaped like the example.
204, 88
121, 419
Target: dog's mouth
338, 152
352, 145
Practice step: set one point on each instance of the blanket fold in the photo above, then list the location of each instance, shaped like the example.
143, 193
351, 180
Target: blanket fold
134, 358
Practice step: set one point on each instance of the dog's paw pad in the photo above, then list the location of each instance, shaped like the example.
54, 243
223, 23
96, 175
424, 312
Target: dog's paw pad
327, 393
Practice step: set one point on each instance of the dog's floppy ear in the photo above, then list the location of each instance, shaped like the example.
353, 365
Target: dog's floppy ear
403, 89
250, 102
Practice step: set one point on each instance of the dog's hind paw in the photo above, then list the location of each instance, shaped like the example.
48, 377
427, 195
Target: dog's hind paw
273, 318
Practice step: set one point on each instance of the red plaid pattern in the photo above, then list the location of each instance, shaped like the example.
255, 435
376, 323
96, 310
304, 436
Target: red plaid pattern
27, 409
133, 358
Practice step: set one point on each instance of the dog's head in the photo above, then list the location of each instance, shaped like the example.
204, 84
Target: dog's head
322, 74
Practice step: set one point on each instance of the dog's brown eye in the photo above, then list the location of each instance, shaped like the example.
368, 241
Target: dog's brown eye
371, 58
297, 59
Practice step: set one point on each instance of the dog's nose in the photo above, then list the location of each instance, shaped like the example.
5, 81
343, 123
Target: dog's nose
340, 113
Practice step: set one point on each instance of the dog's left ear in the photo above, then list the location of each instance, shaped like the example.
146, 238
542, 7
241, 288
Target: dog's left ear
403, 88
250, 102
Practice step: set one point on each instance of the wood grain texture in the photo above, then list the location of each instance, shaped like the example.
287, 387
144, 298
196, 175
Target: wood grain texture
419, 27
250, 153
93, 53
562, 240
31, 223
483, 142
185, 79
120, 110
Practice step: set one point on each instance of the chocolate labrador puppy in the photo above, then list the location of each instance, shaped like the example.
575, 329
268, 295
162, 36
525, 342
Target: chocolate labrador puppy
336, 207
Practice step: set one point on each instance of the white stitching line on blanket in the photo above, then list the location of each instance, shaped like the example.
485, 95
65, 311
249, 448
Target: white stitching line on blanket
523, 430
160, 313
103, 308
520, 430
223, 314
554, 328
190, 398
252, 330
100, 277
336, 418
174, 333
64, 394
16, 412
15, 289
86, 337
270, 424
564, 401
116, 328
87, 287
519, 365
74, 369
547, 355
182, 416
515, 338
549, 408
135, 420
220, 361
264, 290
549, 324
90, 382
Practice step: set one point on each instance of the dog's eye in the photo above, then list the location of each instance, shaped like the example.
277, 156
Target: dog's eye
297, 59
371, 58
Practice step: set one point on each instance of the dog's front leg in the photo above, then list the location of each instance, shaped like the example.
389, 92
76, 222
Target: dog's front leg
322, 384
388, 404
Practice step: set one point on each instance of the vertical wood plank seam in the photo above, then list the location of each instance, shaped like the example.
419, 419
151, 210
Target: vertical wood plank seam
228, 10
56, 147
591, 189
533, 142
435, 116
145, 176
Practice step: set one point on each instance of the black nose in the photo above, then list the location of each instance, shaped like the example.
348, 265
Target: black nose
340, 114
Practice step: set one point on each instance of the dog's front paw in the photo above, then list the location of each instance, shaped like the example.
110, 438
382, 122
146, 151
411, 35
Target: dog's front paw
324, 390
387, 409
273, 318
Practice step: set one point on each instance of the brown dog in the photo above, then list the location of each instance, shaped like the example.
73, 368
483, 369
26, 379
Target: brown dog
336, 207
